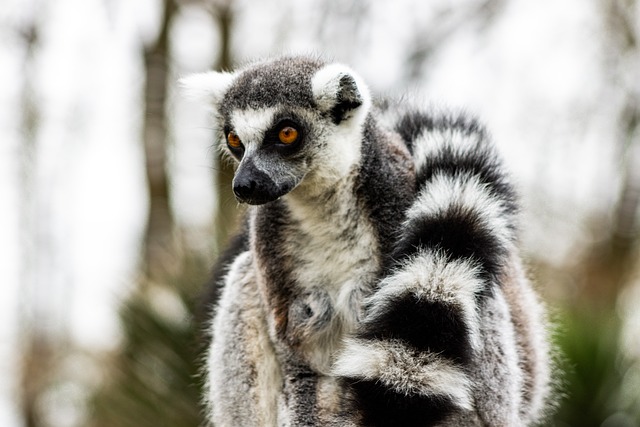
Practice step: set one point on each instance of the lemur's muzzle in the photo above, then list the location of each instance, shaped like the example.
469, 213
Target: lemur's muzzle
253, 186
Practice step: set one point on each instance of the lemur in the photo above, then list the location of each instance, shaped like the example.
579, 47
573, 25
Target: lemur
376, 280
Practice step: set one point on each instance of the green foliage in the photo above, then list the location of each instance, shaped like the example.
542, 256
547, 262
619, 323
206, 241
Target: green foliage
593, 371
154, 380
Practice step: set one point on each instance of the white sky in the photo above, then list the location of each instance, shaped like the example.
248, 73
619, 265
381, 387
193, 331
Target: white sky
530, 78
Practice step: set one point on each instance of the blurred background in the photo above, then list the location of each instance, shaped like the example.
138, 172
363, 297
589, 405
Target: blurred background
113, 203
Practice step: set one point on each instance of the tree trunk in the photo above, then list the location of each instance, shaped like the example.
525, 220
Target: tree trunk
609, 266
226, 211
159, 251
37, 351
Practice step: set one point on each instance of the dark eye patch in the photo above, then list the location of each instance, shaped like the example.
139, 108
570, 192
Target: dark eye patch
236, 151
272, 138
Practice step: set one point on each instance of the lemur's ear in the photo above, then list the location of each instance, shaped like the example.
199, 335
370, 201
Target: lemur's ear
207, 87
339, 91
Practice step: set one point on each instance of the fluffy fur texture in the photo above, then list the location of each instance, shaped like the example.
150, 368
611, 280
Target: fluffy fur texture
377, 280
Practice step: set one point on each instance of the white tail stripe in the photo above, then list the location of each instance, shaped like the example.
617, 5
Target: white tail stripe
404, 370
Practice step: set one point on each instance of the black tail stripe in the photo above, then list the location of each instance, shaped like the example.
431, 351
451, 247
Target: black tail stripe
479, 163
423, 325
458, 232
412, 125
380, 406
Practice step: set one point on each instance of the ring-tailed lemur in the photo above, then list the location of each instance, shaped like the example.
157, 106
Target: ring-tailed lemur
377, 280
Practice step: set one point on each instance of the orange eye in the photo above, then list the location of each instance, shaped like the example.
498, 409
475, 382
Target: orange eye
288, 135
233, 140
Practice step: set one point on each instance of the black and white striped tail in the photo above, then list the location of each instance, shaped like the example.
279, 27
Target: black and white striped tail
409, 363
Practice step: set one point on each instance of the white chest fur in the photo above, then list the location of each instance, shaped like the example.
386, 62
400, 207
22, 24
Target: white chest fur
336, 249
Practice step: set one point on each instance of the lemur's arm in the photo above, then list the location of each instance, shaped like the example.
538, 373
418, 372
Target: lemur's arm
238, 243
409, 363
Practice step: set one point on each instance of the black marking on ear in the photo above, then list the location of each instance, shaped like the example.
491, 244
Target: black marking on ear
380, 406
348, 99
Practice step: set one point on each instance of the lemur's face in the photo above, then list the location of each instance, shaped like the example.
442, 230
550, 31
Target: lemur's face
287, 122
276, 147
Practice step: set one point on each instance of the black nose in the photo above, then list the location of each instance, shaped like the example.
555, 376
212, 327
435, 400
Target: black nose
244, 189
253, 186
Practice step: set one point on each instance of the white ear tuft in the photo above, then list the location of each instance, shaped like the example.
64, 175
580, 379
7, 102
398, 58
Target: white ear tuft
207, 87
339, 90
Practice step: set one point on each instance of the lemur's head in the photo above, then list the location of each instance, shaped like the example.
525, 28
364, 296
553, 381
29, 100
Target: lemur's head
293, 122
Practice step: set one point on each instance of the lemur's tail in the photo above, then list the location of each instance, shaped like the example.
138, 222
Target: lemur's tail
413, 360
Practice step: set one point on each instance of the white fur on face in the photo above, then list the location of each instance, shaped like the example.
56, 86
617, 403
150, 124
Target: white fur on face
251, 125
